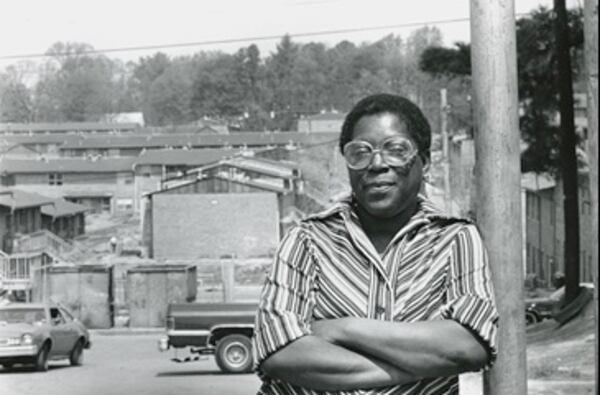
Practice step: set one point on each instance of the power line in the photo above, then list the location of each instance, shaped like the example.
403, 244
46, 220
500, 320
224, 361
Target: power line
240, 39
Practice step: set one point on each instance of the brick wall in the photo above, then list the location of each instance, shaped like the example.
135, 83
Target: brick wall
188, 226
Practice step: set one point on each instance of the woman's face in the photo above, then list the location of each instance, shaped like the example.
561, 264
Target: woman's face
381, 190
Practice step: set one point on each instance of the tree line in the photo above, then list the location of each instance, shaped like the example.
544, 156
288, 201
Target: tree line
246, 89
253, 92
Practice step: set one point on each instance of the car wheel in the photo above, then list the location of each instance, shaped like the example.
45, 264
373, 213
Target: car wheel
531, 318
41, 359
234, 354
76, 355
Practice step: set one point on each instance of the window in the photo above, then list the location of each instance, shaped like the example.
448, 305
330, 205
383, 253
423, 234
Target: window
55, 179
124, 204
68, 317
57, 317
8, 180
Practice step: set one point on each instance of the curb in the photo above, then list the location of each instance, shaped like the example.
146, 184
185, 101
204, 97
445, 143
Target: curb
127, 331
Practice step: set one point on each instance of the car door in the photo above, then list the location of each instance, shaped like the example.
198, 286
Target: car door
72, 329
59, 332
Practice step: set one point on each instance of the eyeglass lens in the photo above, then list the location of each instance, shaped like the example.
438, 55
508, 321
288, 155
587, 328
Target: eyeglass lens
395, 152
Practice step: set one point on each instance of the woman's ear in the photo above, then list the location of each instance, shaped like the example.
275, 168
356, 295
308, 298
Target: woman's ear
426, 164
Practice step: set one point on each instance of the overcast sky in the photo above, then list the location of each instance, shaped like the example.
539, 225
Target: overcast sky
31, 27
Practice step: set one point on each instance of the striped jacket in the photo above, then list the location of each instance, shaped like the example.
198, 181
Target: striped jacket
434, 268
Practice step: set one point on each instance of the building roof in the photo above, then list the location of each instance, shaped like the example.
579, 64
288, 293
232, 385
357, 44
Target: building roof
197, 140
271, 168
537, 182
184, 157
62, 208
17, 199
66, 165
65, 127
17, 149
258, 184
41, 138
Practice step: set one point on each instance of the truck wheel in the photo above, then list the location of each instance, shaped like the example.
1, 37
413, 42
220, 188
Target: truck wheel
76, 356
41, 360
234, 354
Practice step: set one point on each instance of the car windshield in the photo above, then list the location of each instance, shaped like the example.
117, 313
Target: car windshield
26, 315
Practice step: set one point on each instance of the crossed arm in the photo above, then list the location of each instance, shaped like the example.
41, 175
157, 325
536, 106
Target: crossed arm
351, 353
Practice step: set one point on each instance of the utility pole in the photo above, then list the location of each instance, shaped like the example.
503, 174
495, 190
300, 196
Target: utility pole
445, 149
590, 22
498, 186
568, 157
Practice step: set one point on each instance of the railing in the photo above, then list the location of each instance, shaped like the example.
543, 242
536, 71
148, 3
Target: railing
43, 240
16, 270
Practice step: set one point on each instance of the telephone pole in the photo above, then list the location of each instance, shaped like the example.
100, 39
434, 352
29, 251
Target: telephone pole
590, 22
445, 149
498, 182
568, 157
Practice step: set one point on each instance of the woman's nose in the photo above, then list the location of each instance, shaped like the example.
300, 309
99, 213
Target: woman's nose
377, 161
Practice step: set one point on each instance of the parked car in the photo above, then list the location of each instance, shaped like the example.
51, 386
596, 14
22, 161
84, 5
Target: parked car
541, 308
35, 333
222, 329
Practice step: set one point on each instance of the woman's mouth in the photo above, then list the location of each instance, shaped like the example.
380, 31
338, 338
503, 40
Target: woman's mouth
379, 187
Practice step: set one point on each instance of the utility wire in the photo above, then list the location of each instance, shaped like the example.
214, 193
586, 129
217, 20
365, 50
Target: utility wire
238, 40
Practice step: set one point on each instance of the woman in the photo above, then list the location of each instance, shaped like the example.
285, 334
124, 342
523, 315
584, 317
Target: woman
382, 292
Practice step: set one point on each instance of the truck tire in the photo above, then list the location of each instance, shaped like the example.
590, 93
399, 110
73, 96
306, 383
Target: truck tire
234, 354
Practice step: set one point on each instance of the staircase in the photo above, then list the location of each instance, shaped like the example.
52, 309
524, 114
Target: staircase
32, 252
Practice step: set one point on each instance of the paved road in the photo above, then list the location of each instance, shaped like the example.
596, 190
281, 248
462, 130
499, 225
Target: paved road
127, 365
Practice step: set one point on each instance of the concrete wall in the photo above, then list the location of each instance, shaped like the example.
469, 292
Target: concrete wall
85, 290
149, 290
188, 226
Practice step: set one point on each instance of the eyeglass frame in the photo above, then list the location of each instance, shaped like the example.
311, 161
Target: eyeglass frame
379, 150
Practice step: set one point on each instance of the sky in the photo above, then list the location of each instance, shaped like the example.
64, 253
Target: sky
30, 27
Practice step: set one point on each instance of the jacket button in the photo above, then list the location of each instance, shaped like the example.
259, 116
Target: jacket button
380, 310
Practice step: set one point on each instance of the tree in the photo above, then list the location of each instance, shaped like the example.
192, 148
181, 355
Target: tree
139, 84
280, 69
170, 95
537, 75
76, 85
16, 102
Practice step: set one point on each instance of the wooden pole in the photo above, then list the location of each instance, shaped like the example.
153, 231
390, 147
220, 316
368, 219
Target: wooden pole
591, 66
497, 179
568, 157
445, 148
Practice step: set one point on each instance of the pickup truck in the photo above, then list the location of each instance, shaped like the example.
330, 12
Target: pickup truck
220, 329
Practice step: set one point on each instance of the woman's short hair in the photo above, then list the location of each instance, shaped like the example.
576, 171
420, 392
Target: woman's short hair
404, 109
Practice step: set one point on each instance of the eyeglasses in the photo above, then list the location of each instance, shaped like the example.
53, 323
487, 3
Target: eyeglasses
395, 151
